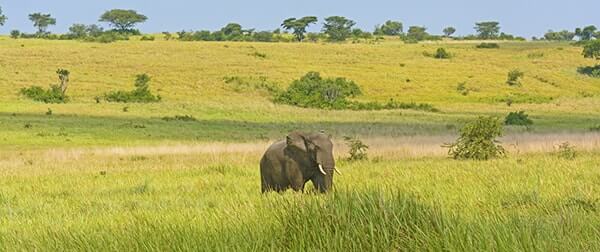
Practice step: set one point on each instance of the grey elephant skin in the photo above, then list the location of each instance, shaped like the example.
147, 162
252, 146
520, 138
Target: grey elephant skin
300, 158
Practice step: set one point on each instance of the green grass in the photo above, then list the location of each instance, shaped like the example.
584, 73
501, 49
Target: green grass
67, 182
213, 202
190, 77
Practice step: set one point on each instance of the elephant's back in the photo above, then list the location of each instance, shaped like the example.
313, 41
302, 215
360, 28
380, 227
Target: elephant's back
275, 151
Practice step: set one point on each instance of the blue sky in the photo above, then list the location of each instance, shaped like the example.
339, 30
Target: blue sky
520, 17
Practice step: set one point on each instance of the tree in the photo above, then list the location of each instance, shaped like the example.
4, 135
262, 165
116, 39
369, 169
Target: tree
63, 76
2, 18
563, 35
487, 30
298, 25
42, 21
448, 31
232, 30
587, 33
390, 28
15, 34
94, 30
338, 28
78, 31
123, 20
592, 50
416, 33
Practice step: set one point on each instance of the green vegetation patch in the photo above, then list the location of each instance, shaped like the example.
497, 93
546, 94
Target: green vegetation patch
478, 140
141, 93
313, 91
485, 45
518, 118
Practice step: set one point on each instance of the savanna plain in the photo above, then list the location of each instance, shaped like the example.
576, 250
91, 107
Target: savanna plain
92, 175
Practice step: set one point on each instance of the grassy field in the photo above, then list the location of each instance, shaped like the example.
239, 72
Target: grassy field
107, 176
190, 78
210, 201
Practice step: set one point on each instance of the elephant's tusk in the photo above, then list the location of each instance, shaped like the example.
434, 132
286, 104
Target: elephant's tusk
321, 169
336, 170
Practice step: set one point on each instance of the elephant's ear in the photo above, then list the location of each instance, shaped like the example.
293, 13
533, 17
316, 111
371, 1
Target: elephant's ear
296, 140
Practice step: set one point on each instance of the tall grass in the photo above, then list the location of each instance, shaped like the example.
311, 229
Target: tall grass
211, 201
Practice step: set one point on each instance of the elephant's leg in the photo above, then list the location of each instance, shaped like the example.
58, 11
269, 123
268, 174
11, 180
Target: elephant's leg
264, 185
295, 177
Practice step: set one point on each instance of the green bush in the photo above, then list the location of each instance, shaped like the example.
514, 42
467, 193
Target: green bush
488, 46
518, 118
514, 77
147, 38
441, 53
313, 91
478, 140
56, 93
52, 95
357, 149
141, 93
590, 71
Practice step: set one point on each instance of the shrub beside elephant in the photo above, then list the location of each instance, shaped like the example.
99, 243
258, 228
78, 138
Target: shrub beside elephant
300, 158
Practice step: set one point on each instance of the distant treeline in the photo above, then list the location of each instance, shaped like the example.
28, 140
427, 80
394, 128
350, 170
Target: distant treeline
334, 29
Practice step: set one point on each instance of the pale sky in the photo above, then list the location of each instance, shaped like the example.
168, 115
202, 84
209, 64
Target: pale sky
518, 17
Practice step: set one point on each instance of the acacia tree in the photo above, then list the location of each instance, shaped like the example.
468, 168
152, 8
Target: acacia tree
338, 28
417, 33
487, 30
2, 18
448, 31
123, 20
298, 26
42, 21
232, 31
390, 28
587, 33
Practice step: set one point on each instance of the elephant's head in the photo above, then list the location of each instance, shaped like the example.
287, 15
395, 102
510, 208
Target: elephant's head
318, 150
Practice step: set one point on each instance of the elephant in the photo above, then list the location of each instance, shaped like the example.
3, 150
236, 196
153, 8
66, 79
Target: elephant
292, 162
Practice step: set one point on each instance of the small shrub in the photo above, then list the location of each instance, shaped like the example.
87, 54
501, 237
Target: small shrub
535, 55
518, 118
478, 140
239, 84
358, 150
147, 38
462, 88
52, 95
56, 93
28, 126
141, 93
441, 53
514, 77
590, 71
184, 118
488, 46
259, 55
567, 151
